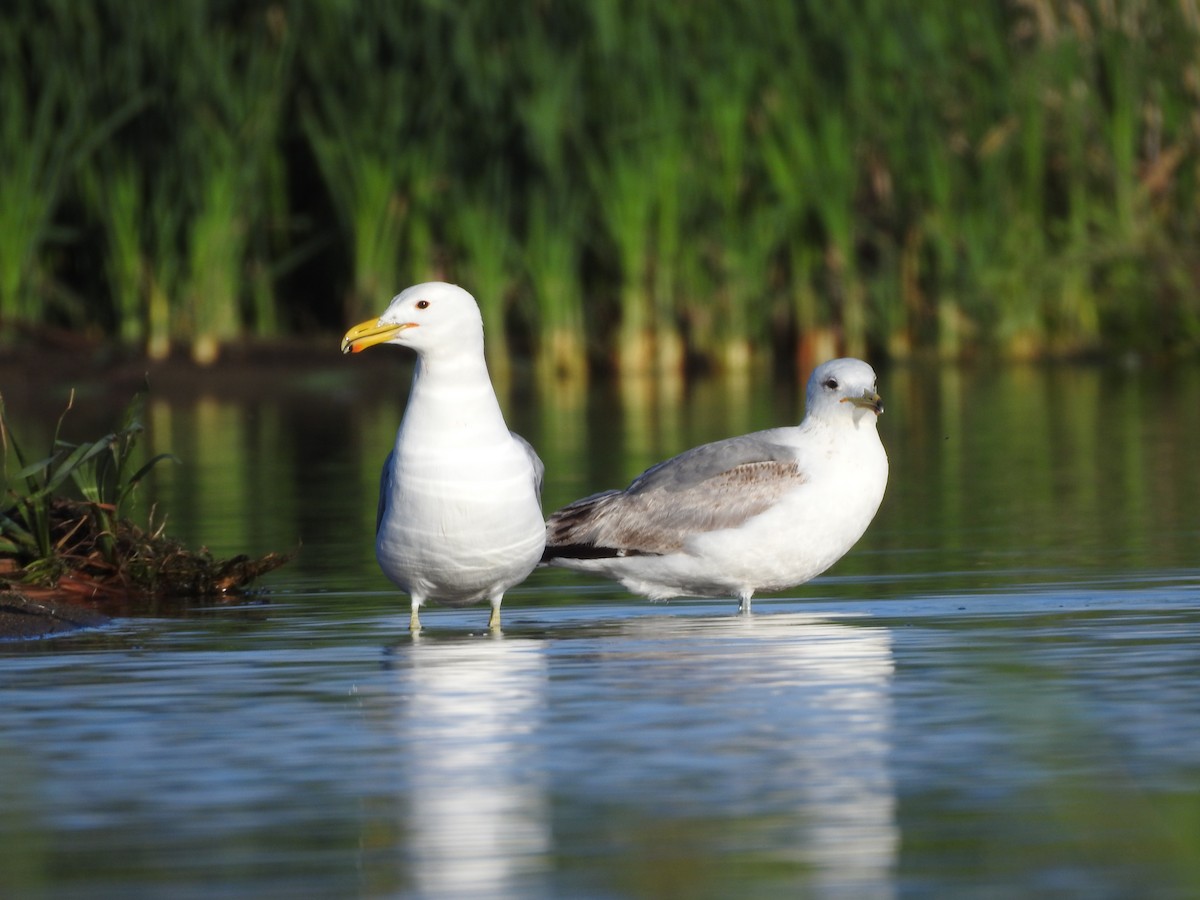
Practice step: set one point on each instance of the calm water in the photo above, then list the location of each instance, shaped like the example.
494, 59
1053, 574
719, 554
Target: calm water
996, 694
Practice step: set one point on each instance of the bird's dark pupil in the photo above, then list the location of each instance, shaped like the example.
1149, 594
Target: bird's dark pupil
831, 384
422, 304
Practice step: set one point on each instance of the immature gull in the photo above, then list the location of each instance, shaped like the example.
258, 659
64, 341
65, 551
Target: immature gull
761, 512
460, 518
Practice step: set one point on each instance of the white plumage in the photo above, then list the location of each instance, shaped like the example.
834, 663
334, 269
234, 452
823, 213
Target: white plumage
460, 517
761, 512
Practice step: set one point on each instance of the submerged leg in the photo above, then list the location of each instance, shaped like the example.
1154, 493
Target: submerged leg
744, 602
494, 619
414, 621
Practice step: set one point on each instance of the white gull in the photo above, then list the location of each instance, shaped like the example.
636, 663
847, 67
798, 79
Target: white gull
760, 512
460, 518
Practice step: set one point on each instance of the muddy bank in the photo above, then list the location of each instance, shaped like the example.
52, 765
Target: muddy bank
36, 374
26, 618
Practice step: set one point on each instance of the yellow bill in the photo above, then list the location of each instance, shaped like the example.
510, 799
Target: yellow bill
371, 332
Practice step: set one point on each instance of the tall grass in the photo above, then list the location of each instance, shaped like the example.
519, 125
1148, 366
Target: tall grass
182, 191
164, 270
489, 266
118, 197
235, 88
728, 107
360, 116
40, 131
26, 198
550, 251
718, 181
216, 244
627, 207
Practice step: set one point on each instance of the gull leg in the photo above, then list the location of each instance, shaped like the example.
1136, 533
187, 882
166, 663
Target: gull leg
494, 619
414, 621
744, 602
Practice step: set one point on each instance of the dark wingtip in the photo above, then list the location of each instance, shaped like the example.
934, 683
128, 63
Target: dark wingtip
576, 551
588, 551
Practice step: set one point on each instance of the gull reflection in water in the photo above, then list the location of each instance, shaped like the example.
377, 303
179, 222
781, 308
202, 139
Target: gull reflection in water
838, 684
476, 815
777, 725
756, 747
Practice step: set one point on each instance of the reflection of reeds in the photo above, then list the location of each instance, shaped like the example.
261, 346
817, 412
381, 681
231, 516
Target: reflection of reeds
952, 178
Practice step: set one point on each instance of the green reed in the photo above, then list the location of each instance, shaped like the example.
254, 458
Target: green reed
638, 171
39, 134
359, 148
488, 265
550, 250
164, 270
627, 207
1010, 178
728, 107
216, 243
118, 197
182, 190
237, 97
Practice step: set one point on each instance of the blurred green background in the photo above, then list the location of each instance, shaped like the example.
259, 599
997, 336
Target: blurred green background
621, 184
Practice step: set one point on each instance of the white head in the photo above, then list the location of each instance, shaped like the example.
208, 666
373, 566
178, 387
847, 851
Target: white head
431, 318
843, 387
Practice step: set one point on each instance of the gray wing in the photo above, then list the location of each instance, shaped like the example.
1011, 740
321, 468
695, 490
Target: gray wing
709, 488
539, 468
385, 490
694, 467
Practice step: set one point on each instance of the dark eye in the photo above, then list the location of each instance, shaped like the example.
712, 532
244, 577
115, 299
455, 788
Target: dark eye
422, 304
831, 383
